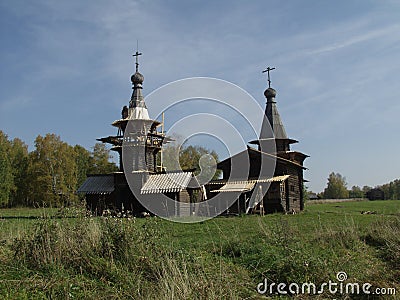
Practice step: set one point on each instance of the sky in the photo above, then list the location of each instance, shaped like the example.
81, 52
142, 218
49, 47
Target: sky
66, 67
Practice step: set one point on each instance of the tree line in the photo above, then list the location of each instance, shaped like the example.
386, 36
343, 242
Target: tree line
391, 189
50, 174
337, 189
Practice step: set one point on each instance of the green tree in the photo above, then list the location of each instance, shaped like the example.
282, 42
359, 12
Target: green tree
20, 160
306, 193
366, 189
52, 170
396, 190
83, 161
100, 162
7, 180
356, 192
202, 160
391, 190
336, 188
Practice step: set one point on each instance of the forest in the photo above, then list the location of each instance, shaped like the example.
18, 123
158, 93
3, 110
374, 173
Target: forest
49, 175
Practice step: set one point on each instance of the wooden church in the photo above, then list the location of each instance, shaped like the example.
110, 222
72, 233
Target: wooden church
138, 142
263, 191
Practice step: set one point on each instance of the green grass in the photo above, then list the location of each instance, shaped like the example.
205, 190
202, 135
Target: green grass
24, 212
223, 258
386, 207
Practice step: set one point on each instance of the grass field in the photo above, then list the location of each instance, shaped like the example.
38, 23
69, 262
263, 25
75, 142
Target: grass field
64, 255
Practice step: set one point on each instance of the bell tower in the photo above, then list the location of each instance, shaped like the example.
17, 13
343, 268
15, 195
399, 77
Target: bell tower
272, 128
136, 131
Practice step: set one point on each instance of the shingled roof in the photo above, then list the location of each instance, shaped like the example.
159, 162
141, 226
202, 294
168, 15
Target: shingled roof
98, 184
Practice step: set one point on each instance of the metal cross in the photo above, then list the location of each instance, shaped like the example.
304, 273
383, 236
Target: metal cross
269, 79
137, 61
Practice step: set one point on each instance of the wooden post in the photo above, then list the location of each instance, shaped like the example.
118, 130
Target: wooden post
176, 204
262, 201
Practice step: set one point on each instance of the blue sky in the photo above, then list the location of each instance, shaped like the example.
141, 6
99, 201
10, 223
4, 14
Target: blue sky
66, 66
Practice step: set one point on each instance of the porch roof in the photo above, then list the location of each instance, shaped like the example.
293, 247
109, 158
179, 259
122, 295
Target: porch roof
166, 183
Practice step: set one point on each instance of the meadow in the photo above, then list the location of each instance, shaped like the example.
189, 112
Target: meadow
63, 254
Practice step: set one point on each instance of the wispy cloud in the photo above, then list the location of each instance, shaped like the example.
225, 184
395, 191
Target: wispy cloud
355, 39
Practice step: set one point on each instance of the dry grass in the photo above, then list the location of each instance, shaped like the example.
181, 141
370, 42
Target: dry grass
225, 258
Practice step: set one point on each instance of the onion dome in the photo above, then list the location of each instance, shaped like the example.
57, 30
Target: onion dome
270, 93
137, 78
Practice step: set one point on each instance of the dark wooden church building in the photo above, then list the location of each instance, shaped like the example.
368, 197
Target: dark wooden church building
138, 142
274, 182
